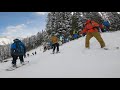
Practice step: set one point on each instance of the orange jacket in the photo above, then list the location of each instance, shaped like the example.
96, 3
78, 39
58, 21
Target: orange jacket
54, 39
90, 27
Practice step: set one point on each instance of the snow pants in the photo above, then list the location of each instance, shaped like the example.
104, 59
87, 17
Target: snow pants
107, 28
54, 47
15, 57
97, 36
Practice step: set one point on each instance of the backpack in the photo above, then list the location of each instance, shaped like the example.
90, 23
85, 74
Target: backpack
94, 25
18, 48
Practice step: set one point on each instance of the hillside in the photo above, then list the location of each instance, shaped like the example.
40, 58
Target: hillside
73, 61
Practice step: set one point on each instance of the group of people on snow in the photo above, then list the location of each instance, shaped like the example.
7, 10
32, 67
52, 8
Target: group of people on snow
64, 37
91, 29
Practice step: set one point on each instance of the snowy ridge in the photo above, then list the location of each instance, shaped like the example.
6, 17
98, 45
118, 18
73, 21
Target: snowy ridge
74, 61
4, 41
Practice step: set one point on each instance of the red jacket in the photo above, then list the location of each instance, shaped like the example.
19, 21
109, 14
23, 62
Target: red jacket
90, 27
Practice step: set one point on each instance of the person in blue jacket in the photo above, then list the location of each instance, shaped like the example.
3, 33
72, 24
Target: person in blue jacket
106, 26
18, 49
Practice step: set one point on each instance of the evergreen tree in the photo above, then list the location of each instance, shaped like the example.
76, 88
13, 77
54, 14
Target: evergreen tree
93, 16
113, 18
78, 20
59, 21
51, 22
115, 21
74, 22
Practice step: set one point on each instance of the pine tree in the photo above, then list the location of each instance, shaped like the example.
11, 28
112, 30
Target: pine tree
79, 19
115, 21
59, 21
51, 22
113, 18
75, 25
93, 16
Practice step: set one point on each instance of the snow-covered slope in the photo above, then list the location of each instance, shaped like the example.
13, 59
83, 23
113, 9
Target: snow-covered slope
74, 61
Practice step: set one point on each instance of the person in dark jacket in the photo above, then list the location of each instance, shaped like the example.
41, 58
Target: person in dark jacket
18, 49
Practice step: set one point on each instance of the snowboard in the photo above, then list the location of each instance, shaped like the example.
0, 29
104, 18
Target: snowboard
114, 48
18, 66
105, 49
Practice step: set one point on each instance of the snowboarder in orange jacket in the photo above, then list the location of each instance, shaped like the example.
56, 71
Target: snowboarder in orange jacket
91, 30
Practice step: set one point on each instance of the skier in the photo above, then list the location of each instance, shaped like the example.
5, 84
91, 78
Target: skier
45, 48
91, 29
61, 39
35, 52
55, 43
106, 25
32, 53
75, 34
18, 49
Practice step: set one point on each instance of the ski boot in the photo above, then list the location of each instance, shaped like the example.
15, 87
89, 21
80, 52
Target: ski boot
22, 62
14, 65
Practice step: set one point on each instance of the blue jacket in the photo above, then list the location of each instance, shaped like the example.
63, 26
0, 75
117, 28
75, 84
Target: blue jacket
18, 48
106, 23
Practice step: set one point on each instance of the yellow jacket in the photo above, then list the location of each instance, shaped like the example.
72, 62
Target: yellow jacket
54, 39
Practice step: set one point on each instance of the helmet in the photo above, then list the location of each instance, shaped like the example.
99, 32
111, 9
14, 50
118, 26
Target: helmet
15, 40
